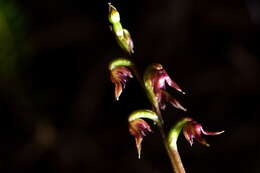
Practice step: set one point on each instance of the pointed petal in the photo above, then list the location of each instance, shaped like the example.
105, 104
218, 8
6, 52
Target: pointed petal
173, 84
177, 104
138, 141
188, 136
118, 90
202, 141
211, 133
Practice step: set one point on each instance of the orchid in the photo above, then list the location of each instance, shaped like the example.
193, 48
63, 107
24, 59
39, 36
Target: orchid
119, 74
155, 79
194, 130
155, 82
191, 130
139, 128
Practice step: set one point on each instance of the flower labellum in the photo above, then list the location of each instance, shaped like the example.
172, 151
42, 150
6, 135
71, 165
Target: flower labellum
166, 97
194, 130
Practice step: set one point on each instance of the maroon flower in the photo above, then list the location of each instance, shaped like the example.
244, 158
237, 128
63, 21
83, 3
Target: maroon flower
194, 130
119, 77
139, 128
159, 78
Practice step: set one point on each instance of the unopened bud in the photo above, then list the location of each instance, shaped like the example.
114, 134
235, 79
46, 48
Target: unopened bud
113, 14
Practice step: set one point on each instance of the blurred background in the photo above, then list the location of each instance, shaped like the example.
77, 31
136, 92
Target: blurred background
57, 107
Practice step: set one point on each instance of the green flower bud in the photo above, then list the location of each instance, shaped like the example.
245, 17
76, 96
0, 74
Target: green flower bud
113, 14
125, 42
122, 35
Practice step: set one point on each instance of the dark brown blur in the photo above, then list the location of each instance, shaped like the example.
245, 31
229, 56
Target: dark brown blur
57, 108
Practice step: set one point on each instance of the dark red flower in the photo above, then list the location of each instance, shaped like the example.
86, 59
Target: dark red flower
119, 77
119, 72
139, 128
194, 130
159, 78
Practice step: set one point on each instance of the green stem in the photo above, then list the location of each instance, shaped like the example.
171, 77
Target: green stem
176, 160
173, 153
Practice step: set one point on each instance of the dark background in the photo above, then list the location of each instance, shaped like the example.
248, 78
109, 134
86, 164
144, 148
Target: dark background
57, 107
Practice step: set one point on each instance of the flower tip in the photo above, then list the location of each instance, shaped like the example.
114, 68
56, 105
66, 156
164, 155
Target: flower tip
220, 132
182, 92
211, 133
177, 104
138, 141
204, 143
113, 15
139, 154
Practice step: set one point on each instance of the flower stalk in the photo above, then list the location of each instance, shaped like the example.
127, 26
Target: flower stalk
154, 82
155, 78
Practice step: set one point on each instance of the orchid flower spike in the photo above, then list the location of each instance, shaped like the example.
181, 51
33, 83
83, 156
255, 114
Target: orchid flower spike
119, 74
155, 79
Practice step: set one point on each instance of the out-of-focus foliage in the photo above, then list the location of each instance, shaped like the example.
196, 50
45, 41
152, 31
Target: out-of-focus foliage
12, 34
